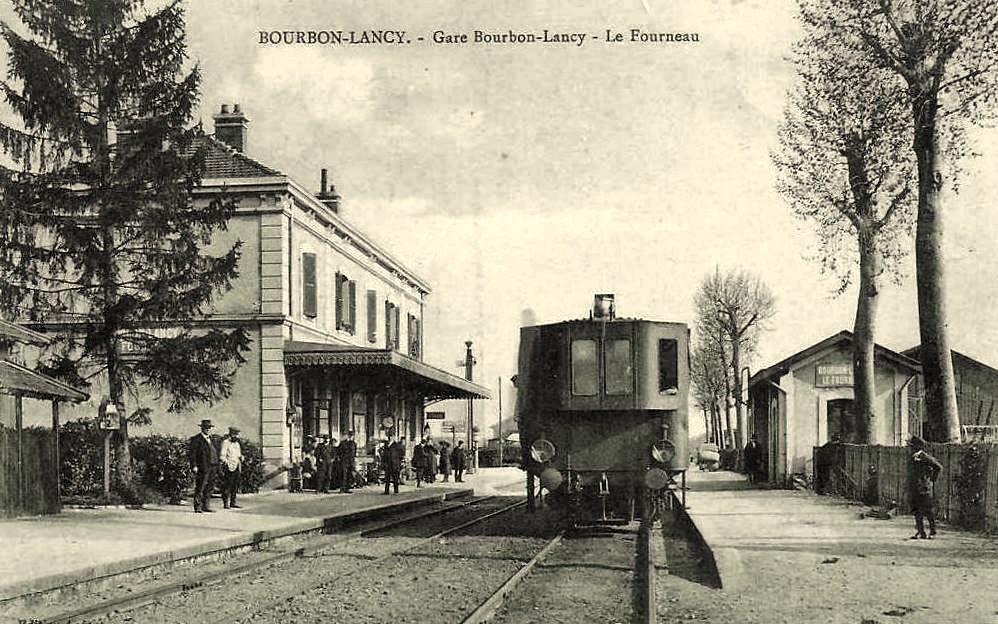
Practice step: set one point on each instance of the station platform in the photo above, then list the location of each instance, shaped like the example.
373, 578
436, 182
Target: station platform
739, 522
46, 553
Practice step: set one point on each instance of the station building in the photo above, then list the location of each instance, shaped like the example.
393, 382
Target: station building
336, 320
804, 400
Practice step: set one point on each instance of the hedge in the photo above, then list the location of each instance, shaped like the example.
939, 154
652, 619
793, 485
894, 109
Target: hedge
159, 464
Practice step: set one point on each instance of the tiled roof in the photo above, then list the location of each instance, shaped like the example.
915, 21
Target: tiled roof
221, 161
16, 379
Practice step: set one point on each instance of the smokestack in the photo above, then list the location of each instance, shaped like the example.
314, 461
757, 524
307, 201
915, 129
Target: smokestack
325, 182
230, 128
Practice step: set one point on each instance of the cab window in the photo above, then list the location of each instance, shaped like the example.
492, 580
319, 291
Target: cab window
619, 371
668, 364
585, 380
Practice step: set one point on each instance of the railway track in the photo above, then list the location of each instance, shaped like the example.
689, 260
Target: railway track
476, 561
550, 582
308, 547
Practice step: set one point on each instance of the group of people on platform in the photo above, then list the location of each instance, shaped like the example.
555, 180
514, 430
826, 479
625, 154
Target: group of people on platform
429, 460
328, 464
207, 463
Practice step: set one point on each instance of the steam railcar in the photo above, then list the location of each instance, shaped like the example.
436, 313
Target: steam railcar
602, 412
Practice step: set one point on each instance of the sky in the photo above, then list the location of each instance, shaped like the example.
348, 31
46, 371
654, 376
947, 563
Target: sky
521, 179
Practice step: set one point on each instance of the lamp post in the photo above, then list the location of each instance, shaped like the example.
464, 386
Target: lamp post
108, 421
469, 363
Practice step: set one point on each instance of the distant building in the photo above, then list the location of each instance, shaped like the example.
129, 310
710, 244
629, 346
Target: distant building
336, 320
976, 398
806, 399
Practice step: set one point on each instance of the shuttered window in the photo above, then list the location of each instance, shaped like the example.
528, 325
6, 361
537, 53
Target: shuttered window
392, 314
372, 316
352, 308
338, 285
308, 294
414, 336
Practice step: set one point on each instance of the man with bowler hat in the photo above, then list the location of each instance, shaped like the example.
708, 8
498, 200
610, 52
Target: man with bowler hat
231, 458
204, 461
347, 452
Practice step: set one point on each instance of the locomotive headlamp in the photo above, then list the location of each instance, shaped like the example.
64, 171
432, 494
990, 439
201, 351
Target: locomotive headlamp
663, 451
542, 450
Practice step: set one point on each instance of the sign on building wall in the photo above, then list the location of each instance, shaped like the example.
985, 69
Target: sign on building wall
832, 375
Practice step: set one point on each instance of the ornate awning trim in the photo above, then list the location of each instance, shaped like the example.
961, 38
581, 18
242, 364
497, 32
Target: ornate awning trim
438, 384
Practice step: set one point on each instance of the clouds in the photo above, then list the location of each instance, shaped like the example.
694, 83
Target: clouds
339, 92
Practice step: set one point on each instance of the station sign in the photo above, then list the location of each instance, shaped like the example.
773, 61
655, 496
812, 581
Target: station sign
832, 375
435, 415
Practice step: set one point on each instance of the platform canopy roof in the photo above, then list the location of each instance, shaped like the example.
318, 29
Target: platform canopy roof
18, 380
386, 364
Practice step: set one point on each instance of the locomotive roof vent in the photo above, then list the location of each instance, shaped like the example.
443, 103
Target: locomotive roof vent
603, 307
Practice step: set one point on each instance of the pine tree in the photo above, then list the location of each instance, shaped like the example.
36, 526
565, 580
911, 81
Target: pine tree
102, 242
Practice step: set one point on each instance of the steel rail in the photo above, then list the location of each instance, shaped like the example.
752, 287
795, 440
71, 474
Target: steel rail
488, 608
135, 600
395, 553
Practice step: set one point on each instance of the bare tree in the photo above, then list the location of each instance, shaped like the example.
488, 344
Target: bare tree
946, 52
731, 310
708, 369
844, 165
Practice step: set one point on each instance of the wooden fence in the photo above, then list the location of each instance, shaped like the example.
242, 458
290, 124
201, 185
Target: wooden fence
28, 472
891, 465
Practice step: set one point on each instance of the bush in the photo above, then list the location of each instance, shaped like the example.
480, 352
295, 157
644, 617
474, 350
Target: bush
971, 484
160, 464
253, 473
81, 450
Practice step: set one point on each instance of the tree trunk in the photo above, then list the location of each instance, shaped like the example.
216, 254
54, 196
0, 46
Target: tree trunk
739, 441
864, 331
942, 416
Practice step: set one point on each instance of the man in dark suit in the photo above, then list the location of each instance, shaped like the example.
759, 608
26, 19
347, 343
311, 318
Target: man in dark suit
391, 455
347, 452
203, 458
457, 461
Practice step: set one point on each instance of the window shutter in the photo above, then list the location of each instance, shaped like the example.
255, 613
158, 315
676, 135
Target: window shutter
372, 316
308, 285
397, 313
339, 300
353, 307
388, 325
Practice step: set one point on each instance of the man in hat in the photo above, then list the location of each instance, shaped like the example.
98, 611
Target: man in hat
924, 470
324, 463
347, 453
458, 461
231, 458
391, 456
204, 461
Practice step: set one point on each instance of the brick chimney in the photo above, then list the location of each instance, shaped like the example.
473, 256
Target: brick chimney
230, 128
328, 194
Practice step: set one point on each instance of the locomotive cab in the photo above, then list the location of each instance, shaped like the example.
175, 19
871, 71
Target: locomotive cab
607, 400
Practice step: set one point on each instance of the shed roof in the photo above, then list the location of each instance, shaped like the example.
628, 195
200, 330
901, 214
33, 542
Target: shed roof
844, 337
18, 380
